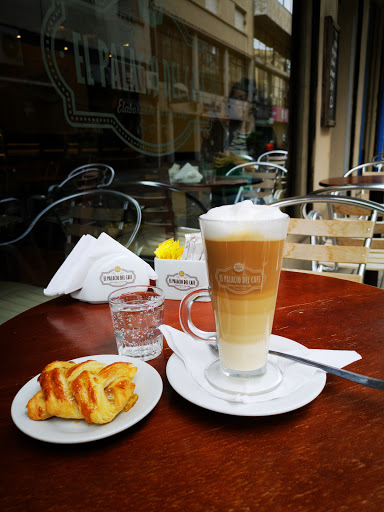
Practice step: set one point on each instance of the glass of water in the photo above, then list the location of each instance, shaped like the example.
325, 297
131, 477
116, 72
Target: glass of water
137, 312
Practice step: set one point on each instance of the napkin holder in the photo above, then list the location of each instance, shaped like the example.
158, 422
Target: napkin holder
110, 273
177, 278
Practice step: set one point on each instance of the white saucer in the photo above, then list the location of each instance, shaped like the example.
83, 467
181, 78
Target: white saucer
185, 385
149, 387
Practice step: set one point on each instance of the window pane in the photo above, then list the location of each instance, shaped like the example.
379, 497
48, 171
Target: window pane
239, 19
137, 85
212, 5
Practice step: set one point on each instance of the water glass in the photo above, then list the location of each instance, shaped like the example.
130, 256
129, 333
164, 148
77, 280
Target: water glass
137, 312
210, 174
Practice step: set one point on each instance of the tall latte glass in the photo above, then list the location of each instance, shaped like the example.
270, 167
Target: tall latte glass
244, 248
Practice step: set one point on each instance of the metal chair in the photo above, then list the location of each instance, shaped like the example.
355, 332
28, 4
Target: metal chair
264, 180
85, 177
366, 168
354, 190
335, 247
378, 157
376, 254
34, 256
362, 191
277, 156
107, 170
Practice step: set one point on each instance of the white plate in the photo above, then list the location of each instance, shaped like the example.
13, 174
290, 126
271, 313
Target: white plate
183, 383
149, 387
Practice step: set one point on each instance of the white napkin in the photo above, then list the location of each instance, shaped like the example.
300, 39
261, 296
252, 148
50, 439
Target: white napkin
188, 174
197, 356
72, 273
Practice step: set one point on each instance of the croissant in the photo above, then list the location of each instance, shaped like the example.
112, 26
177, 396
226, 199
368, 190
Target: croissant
90, 390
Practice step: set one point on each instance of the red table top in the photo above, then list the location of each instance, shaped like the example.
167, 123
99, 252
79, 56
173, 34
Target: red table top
325, 456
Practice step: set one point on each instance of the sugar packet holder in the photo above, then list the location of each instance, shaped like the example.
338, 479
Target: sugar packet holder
179, 277
193, 247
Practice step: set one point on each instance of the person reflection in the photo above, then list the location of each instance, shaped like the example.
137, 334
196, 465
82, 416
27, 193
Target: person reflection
241, 123
226, 144
234, 141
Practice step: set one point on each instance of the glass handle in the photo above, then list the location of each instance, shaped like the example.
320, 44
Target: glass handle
185, 317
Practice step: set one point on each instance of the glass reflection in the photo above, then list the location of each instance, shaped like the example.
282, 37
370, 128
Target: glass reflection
138, 85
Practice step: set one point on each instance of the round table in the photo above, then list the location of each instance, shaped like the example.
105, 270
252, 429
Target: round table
221, 182
325, 456
352, 180
220, 188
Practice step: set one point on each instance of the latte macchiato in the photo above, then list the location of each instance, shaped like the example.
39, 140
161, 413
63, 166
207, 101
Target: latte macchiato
244, 248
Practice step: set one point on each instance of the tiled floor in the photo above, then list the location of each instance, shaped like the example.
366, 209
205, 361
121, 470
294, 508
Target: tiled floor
17, 297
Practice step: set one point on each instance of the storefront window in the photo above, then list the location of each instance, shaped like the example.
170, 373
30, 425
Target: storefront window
135, 84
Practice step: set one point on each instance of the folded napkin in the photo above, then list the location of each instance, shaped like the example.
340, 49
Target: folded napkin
187, 174
197, 356
73, 272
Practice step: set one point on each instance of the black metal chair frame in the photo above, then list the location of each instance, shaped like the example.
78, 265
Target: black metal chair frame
52, 206
92, 167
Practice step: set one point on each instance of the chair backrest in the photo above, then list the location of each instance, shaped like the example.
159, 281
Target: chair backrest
356, 191
246, 157
107, 170
167, 212
85, 177
378, 157
57, 228
366, 168
264, 179
277, 156
335, 247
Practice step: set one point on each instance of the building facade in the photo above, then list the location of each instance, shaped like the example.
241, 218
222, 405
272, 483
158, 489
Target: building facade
139, 81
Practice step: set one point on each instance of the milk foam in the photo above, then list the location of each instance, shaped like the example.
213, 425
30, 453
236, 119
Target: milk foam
245, 221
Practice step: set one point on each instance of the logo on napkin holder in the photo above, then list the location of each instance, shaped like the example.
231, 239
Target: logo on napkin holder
182, 281
117, 276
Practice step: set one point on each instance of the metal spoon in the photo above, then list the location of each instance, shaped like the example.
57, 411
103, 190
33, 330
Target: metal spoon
355, 377
345, 374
